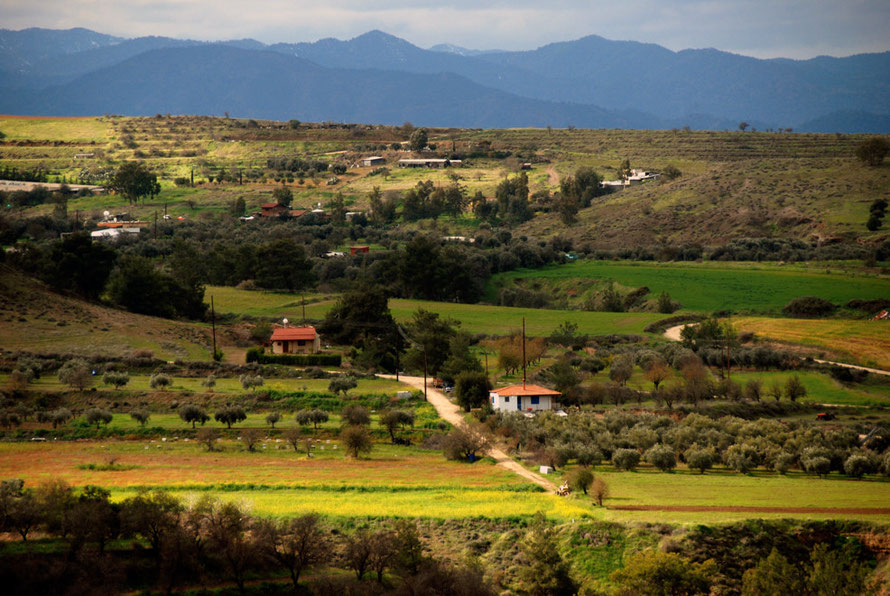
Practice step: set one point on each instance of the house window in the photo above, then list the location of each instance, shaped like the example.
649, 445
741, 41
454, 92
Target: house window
507, 399
492, 400
536, 401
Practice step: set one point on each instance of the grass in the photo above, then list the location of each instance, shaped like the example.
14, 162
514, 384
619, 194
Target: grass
56, 129
724, 488
821, 388
709, 287
861, 342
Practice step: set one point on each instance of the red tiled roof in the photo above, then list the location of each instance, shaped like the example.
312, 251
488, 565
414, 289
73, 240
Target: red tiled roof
270, 205
527, 390
298, 212
292, 333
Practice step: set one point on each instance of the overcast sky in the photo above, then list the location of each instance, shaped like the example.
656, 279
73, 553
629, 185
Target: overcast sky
761, 28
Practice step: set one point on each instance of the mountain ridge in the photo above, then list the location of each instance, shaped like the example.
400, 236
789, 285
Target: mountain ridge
642, 85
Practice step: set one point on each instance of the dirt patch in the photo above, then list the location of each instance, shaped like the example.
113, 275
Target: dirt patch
746, 509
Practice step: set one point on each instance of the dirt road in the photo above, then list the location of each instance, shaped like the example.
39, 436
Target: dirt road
673, 333
452, 413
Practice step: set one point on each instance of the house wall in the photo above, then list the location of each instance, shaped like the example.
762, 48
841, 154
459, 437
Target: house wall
293, 346
507, 403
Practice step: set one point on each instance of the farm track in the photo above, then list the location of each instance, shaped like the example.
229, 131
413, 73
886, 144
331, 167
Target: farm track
673, 333
451, 413
751, 509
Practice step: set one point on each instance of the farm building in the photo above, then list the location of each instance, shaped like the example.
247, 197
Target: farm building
523, 398
636, 177
295, 340
430, 163
374, 160
357, 250
273, 210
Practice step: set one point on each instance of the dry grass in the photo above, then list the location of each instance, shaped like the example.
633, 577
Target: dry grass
862, 342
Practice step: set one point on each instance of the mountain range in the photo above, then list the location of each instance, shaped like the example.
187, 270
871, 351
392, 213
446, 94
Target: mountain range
591, 82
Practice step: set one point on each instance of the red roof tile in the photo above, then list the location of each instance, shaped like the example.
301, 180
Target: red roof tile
527, 390
292, 333
270, 205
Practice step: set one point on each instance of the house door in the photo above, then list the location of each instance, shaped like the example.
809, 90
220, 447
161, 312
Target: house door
518, 402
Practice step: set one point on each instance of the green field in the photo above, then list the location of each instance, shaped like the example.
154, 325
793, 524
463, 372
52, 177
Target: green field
475, 318
709, 287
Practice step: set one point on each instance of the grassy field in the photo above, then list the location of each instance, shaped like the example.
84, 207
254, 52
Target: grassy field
861, 342
399, 481
34, 319
709, 287
475, 318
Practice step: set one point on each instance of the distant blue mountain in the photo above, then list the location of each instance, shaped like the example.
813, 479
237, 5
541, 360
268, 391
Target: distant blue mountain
587, 82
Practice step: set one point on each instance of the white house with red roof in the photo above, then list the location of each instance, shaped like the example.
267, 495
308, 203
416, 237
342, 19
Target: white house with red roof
295, 340
523, 398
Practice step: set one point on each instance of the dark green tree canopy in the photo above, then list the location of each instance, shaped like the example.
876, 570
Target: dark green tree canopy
134, 181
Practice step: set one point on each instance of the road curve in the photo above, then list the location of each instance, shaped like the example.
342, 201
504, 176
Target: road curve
450, 412
673, 333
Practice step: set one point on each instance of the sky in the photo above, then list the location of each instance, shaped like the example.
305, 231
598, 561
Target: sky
761, 28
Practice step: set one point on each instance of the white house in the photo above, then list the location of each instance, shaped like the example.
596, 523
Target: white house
523, 398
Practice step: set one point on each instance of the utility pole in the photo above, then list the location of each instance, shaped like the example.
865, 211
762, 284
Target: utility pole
424, 374
523, 352
213, 325
303, 299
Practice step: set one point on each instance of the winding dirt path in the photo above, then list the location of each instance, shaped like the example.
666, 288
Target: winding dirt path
450, 412
673, 333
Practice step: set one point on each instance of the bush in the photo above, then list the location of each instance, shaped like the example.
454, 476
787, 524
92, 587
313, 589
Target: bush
819, 465
356, 440
699, 459
116, 379
141, 416
258, 355
581, 479
740, 458
466, 443
857, 466
784, 461
662, 457
356, 415
808, 306
159, 381
626, 459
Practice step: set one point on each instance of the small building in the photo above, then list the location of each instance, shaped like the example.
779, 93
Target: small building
374, 160
357, 250
430, 163
523, 398
636, 177
298, 212
295, 340
273, 210
112, 234
122, 224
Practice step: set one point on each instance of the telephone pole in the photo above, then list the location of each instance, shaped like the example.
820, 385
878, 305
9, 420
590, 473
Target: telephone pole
213, 325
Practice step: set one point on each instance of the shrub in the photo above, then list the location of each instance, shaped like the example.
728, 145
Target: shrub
784, 461
356, 440
581, 479
819, 465
115, 378
98, 416
159, 381
230, 415
355, 415
662, 457
250, 381
465, 443
740, 458
257, 355
193, 414
141, 416
808, 306
342, 384
626, 459
313, 417
857, 466
699, 459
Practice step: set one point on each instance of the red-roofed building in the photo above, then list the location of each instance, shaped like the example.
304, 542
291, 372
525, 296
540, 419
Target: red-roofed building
523, 398
273, 210
295, 340
357, 250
